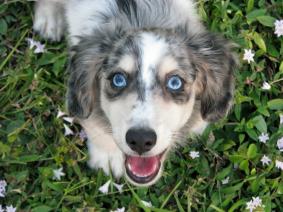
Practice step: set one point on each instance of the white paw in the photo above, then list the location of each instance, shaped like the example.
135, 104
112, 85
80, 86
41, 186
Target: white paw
49, 19
117, 164
99, 158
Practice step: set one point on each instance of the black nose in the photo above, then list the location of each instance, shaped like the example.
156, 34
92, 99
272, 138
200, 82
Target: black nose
141, 140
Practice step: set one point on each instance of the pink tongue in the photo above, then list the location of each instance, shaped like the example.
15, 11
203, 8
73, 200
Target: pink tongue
143, 166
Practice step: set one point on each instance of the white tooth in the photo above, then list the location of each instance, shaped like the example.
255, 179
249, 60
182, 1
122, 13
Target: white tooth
129, 167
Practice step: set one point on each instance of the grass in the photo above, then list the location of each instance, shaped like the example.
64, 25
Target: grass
32, 141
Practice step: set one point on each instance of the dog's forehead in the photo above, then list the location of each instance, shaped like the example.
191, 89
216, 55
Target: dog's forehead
153, 49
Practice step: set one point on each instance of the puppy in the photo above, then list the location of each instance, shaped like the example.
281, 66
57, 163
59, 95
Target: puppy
143, 75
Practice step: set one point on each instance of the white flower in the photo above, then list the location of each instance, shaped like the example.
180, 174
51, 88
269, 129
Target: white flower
69, 119
263, 137
257, 202
68, 131
225, 181
265, 160
104, 188
146, 204
251, 206
194, 154
280, 144
39, 48
119, 210
279, 164
254, 203
31, 42
248, 55
266, 86
281, 119
58, 173
10, 208
1, 209
119, 187
278, 27
3, 185
60, 114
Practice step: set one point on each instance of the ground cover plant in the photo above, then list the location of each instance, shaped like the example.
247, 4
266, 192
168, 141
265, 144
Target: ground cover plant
43, 153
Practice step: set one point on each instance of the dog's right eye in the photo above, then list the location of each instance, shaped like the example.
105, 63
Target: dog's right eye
119, 81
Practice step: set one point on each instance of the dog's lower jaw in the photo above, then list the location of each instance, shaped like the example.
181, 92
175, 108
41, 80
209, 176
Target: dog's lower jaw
148, 183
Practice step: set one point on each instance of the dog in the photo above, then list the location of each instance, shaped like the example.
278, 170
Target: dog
143, 75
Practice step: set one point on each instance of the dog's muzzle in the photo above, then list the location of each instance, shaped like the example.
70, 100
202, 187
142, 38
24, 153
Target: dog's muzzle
142, 169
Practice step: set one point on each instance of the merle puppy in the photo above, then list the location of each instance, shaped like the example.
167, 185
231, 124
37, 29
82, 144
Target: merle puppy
143, 74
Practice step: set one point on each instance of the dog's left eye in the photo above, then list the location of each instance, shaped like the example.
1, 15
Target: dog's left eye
174, 83
119, 81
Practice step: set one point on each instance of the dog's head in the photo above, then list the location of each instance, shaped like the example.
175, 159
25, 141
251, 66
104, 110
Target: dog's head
145, 85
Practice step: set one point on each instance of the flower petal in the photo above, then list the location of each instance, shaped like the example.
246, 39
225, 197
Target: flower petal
69, 119
60, 114
68, 131
104, 188
146, 204
119, 187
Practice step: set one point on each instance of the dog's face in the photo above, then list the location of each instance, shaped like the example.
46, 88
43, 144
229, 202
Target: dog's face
147, 96
145, 86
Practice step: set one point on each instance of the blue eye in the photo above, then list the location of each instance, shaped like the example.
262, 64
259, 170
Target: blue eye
174, 83
119, 81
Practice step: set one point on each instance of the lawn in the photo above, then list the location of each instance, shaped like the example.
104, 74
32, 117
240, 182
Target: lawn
242, 168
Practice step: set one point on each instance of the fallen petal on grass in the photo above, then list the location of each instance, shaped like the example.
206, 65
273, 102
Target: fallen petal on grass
104, 188
69, 119
68, 130
119, 187
146, 204
60, 114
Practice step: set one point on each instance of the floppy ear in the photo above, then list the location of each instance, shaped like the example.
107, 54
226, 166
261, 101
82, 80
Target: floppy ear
214, 63
84, 66
88, 59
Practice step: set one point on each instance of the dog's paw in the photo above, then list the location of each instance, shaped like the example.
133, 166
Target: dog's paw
117, 164
49, 19
100, 158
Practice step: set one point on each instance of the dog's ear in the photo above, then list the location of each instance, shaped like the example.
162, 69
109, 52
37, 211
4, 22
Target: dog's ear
214, 62
87, 60
83, 84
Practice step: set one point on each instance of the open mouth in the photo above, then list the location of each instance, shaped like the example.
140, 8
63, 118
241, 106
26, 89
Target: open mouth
142, 170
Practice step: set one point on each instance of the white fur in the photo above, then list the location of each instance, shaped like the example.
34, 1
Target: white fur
103, 151
83, 16
49, 19
152, 50
185, 12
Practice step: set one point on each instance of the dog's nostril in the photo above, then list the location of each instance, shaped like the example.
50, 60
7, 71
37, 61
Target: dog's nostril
132, 143
148, 143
